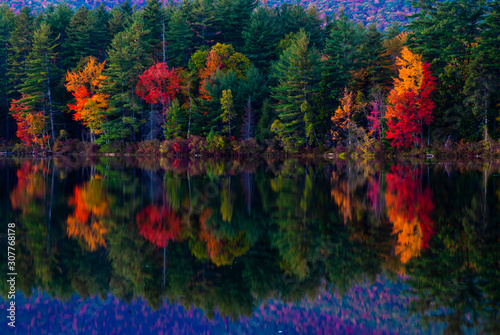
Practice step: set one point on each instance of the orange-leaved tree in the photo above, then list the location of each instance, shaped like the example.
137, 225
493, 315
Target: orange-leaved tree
30, 124
91, 105
342, 119
410, 105
223, 250
90, 219
221, 57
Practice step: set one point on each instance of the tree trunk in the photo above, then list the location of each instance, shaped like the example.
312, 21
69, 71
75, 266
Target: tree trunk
151, 125
163, 35
49, 92
189, 121
486, 125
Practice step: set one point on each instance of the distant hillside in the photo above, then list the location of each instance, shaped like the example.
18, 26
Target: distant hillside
382, 12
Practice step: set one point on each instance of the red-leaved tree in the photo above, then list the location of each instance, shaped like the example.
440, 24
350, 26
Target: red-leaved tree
158, 85
410, 105
30, 124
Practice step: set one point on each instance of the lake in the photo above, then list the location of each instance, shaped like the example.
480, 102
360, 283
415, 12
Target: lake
176, 246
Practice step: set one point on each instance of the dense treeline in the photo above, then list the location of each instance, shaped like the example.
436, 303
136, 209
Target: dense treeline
205, 74
381, 12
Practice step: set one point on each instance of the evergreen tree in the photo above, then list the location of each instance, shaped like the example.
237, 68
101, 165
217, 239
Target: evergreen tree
153, 22
179, 39
490, 32
203, 22
20, 42
174, 120
393, 30
117, 22
290, 18
342, 56
6, 23
261, 38
297, 75
127, 59
100, 32
481, 87
488, 46
80, 42
59, 18
444, 33
41, 73
232, 17
254, 86
375, 58
126, 8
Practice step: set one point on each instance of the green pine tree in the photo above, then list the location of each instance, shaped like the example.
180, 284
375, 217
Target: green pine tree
261, 38
291, 18
179, 39
118, 21
203, 22
127, 58
481, 87
41, 73
80, 42
20, 43
59, 18
297, 73
232, 17
444, 33
100, 31
6, 25
490, 32
375, 58
174, 121
342, 55
153, 22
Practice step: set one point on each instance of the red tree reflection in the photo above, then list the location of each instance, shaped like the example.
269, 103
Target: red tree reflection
408, 208
159, 225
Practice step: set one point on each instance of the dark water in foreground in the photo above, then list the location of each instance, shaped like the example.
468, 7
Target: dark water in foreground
115, 246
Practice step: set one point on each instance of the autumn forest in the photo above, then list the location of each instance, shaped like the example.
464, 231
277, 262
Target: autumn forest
240, 77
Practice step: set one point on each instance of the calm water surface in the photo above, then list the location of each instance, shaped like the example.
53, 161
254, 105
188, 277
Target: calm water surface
126, 246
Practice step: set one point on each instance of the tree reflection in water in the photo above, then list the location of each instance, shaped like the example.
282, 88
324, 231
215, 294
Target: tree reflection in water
230, 236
